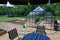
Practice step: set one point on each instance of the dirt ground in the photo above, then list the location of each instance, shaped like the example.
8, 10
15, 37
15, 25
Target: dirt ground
10, 26
53, 35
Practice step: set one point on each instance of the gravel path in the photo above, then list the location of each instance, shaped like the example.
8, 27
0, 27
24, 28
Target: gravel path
53, 35
10, 26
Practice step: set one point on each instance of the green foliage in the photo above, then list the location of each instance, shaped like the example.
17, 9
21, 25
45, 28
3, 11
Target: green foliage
23, 10
20, 10
54, 7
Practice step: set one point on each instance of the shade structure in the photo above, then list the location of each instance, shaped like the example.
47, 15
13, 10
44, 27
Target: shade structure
3, 1
35, 36
9, 5
38, 10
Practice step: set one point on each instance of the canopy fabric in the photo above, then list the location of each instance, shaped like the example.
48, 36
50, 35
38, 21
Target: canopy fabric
37, 11
9, 5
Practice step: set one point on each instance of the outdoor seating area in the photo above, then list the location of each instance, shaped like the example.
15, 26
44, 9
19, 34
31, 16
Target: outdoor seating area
30, 20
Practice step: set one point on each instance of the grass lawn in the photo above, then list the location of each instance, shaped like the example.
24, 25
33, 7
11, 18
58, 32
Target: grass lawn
57, 17
5, 18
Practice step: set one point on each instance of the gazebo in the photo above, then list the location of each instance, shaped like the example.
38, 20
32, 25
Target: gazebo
40, 16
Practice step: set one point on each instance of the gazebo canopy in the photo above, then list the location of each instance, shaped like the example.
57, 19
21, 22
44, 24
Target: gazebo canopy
38, 10
9, 5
